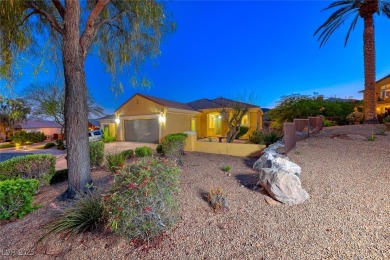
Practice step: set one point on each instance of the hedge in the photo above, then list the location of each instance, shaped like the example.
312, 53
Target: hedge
34, 166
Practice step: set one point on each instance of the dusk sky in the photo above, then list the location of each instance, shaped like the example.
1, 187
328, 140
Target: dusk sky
230, 48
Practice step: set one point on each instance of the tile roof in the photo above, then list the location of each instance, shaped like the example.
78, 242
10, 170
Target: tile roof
217, 103
228, 103
31, 124
107, 117
168, 103
94, 122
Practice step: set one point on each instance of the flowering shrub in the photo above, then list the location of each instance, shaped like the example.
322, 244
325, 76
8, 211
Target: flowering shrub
355, 117
141, 202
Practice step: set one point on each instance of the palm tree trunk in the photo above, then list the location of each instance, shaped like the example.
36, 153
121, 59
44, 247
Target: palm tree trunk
370, 115
76, 118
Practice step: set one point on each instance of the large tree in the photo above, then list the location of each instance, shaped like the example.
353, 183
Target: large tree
123, 33
354, 9
48, 101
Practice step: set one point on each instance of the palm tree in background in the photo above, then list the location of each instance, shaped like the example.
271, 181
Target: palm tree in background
354, 9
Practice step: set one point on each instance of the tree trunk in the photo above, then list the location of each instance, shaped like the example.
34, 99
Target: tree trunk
370, 115
76, 118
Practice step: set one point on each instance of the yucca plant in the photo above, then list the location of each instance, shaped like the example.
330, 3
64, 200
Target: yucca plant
85, 214
115, 161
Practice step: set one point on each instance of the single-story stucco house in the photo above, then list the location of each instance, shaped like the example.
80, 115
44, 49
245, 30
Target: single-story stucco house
49, 128
149, 119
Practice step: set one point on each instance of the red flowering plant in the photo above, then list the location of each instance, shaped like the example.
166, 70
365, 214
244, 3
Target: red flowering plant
143, 199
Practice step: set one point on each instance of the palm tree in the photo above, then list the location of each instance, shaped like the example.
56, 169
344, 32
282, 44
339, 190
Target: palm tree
366, 10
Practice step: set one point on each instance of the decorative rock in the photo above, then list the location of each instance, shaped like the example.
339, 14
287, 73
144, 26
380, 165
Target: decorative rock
283, 186
279, 176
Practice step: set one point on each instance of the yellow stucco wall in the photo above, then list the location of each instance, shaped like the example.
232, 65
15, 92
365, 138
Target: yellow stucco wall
234, 149
383, 104
176, 123
139, 106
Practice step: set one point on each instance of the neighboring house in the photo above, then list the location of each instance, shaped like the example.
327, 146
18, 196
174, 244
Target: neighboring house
93, 124
50, 128
382, 91
107, 123
149, 119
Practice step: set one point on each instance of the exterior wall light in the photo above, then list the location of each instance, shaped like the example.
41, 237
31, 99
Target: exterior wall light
117, 120
162, 118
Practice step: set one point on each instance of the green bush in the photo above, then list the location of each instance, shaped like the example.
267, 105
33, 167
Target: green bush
6, 146
115, 161
243, 131
386, 119
159, 149
16, 197
327, 123
86, 214
355, 117
128, 153
22, 137
142, 201
143, 151
96, 153
173, 146
265, 137
34, 166
59, 176
60, 144
298, 106
226, 168
49, 145
107, 138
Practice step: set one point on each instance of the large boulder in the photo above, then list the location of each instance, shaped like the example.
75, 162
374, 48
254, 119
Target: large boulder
279, 176
282, 186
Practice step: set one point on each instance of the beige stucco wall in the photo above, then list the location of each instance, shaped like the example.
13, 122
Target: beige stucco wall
176, 123
382, 105
139, 106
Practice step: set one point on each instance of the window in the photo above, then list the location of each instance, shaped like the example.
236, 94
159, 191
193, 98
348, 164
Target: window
385, 91
245, 120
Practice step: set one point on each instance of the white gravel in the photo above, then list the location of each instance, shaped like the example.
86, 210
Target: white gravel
347, 217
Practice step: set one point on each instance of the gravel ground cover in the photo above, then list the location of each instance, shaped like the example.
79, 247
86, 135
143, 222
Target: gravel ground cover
347, 217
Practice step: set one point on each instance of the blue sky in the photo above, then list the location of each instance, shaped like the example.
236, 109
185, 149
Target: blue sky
230, 48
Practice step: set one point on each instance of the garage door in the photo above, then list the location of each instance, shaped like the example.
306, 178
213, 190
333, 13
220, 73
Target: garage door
143, 130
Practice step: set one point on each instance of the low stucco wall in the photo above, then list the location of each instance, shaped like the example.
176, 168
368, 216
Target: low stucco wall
234, 149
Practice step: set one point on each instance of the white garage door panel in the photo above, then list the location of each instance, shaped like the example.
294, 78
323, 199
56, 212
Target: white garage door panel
142, 130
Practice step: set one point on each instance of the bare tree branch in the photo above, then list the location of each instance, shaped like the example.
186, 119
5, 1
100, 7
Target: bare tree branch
91, 26
59, 7
53, 22
28, 16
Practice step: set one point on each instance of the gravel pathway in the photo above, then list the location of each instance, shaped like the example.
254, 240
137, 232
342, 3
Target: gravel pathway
347, 217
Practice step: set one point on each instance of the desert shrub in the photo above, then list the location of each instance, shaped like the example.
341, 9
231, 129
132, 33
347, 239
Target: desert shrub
107, 137
115, 161
86, 214
173, 146
265, 137
49, 145
96, 153
128, 153
143, 151
60, 144
386, 119
16, 197
226, 168
217, 199
159, 149
327, 123
142, 200
34, 166
355, 117
243, 131
59, 176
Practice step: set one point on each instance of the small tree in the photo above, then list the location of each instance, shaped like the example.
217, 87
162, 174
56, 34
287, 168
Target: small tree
48, 101
13, 112
232, 113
